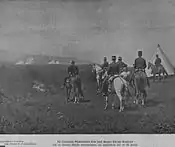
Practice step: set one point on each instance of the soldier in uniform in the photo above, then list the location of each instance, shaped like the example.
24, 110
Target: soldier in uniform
157, 61
140, 63
121, 64
112, 70
113, 67
105, 64
73, 70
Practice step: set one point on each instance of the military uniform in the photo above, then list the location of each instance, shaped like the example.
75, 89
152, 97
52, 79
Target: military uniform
74, 71
113, 69
105, 65
121, 65
158, 62
140, 64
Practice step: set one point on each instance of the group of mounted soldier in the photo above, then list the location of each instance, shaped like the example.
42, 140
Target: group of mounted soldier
114, 68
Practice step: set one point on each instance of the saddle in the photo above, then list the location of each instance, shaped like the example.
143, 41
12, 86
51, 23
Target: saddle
111, 78
139, 69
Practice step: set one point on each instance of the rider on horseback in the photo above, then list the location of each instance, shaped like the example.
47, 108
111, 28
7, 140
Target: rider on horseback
74, 71
112, 70
140, 64
157, 61
105, 64
121, 64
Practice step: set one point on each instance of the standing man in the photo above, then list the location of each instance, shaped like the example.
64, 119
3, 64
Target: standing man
140, 63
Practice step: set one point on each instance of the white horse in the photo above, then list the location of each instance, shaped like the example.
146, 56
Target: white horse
97, 70
120, 88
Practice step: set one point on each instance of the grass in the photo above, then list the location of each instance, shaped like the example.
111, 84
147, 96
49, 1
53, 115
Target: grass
26, 111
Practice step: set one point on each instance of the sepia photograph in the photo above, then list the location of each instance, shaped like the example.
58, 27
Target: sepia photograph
87, 67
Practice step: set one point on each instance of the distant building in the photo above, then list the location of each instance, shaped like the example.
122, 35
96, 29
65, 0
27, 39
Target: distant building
20, 63
53, 62
29, 61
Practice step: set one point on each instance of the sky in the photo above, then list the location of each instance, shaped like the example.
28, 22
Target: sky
88, 29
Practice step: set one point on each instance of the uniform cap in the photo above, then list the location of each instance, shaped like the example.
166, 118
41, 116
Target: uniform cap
113, 57
119, 57
72, 61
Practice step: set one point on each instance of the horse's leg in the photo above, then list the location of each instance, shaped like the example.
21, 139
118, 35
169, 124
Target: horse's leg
98, 83
155, 78
144, 97
113, 101
163, 76
106, 102
74, 94
67, 95
160, 76
121, 101
137, 93
78, 93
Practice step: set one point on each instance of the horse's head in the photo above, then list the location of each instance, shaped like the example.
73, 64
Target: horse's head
93, 68
105, 74
68, 83
149, 65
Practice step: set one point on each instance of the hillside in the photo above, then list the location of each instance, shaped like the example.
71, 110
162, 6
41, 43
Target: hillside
44, 59
28, 111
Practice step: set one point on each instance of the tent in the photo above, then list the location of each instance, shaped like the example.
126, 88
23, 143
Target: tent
165, 62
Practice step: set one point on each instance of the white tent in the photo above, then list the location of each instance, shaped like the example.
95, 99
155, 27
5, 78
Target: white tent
165, 62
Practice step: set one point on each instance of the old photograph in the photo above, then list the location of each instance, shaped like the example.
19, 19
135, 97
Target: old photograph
87, 67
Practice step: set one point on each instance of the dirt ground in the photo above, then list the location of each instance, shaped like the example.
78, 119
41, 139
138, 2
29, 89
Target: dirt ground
27, 111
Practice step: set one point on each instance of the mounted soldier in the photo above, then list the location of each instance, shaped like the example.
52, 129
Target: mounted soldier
73, 71
121, 64
112, 70
105, 64
140, 64
158, 61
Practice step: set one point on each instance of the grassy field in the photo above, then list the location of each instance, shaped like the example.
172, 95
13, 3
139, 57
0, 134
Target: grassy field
27, 111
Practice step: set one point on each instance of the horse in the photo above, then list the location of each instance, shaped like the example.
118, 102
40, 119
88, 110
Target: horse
140, 82
120, 88
98, 71
68, 87
160, 70
72, 86
127, 73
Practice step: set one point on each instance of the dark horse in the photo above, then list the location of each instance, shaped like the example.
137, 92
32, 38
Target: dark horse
141, 83
72, 86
